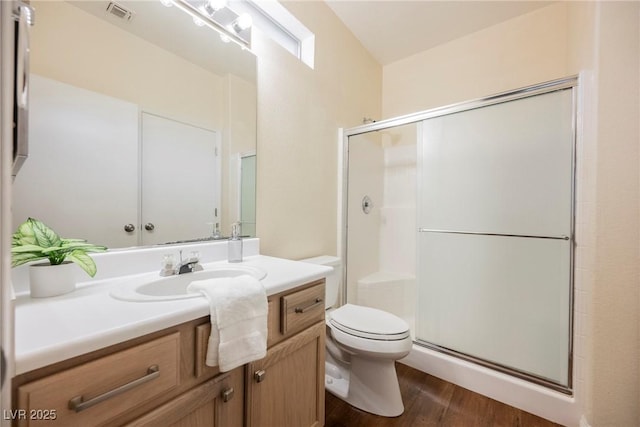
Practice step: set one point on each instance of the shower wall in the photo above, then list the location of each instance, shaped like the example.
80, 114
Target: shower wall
398, 211
366, 177
381, 245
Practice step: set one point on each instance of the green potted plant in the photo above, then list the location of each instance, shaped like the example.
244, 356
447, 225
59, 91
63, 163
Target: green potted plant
34, 241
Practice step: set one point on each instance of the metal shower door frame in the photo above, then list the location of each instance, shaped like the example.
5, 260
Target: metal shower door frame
571, 82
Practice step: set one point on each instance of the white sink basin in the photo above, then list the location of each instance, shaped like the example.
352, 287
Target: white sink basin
152, 287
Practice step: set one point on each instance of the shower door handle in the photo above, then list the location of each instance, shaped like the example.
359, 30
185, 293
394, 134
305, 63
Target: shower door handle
481, 233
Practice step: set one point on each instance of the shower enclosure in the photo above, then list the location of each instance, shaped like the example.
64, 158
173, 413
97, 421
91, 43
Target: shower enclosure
460, 220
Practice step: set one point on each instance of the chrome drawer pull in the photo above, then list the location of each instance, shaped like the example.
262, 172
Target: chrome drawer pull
309, 307
77, 404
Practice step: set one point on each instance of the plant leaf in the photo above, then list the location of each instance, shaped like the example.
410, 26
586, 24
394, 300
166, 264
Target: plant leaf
64, 241
23, 258
85, 247
27, 248
24, 235
83, 259
83, 244
44, 235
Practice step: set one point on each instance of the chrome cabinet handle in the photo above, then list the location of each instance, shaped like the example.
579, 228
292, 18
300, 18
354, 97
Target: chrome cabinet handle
78, 403
259, 375
227, 394
309, 307
129, 228
149, 226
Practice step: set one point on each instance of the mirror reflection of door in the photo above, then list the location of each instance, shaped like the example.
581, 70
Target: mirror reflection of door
248, 194
83, 164
180, 180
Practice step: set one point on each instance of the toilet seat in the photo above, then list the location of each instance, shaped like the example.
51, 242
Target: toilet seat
369, 323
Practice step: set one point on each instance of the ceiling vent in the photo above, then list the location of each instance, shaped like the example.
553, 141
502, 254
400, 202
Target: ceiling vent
119, 11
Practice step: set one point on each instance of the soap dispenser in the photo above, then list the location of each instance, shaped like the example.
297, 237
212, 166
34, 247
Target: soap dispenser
235, 244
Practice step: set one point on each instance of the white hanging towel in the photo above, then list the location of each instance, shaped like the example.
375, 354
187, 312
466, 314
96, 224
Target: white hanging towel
238, 320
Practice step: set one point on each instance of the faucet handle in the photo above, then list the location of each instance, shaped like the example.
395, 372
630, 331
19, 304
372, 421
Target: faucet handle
168, 265
168, 261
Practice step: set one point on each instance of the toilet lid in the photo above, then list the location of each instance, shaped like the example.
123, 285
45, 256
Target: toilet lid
369, 322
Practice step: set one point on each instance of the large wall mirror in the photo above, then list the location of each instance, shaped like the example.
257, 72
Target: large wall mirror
141, 131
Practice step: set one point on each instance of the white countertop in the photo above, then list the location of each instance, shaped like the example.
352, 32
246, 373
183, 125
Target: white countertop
50, 330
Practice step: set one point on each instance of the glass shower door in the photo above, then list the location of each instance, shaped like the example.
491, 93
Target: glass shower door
495, 228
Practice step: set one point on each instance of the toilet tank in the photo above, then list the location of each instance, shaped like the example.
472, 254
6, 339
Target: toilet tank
333, 279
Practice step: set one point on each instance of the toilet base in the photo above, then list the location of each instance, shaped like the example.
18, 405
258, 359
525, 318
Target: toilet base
335, 382
370, 385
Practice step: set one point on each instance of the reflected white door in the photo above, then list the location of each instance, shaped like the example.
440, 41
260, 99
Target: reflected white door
180, 180
95, 137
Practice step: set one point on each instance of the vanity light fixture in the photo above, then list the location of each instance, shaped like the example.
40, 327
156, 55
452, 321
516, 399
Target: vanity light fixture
217, 15
212, 6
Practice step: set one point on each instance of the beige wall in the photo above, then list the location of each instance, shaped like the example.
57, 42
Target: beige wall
299, 113
613, 370
526, 50
603, 40
72, 46
239, 138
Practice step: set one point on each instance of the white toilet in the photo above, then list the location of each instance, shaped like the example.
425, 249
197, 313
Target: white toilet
362, 346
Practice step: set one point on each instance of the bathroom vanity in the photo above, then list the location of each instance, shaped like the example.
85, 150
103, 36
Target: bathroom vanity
159, 376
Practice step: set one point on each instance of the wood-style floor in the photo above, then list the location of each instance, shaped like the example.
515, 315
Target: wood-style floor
430, 401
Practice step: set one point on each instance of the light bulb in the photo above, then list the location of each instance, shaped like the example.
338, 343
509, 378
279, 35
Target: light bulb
242, 22
212, 6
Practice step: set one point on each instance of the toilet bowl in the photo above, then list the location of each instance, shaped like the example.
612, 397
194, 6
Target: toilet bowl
362, 345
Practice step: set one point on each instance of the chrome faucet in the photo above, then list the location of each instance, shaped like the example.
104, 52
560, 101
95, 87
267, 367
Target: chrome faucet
188, 265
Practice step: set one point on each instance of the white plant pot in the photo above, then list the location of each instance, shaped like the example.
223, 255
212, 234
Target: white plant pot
46, 280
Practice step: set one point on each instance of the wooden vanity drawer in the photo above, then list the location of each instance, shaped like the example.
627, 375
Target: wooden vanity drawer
104, 388
301, 309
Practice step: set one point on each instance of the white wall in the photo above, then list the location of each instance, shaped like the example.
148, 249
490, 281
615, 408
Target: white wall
398, 217
366, 178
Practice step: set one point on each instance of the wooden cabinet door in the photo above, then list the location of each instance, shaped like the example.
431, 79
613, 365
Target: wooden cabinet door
218, 402
286, 388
